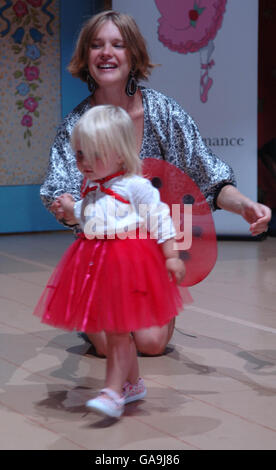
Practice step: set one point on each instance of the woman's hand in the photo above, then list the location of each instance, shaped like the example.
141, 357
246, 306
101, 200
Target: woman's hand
56, 209
256, 214
63, 208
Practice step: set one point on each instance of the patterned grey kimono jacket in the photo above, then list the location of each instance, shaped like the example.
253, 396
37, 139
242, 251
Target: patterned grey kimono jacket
169, 134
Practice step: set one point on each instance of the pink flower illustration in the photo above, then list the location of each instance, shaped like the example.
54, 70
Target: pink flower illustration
31, 73
30, 104
193, 15
27, 121
20, 8
187, 26
35, 3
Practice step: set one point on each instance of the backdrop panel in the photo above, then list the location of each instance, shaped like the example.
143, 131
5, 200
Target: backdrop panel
208, 55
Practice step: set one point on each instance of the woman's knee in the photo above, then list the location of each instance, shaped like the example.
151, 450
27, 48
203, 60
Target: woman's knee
152, 349
151, 343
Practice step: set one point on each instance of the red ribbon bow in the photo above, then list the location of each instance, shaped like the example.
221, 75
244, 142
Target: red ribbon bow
105, 190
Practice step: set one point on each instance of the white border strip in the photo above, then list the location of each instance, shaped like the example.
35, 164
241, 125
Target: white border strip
233, 319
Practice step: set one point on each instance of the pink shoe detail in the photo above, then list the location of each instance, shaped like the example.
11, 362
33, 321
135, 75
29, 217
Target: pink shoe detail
205, 89
205, 82
134, 392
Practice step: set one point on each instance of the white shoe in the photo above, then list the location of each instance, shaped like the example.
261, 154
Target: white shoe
108, 403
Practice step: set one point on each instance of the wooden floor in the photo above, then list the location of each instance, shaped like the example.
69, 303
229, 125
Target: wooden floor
214, 389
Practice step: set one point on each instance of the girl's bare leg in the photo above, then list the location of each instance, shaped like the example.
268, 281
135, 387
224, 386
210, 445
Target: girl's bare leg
122, 363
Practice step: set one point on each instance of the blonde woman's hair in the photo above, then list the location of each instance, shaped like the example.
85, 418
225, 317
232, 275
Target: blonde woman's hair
134, 41
106, 130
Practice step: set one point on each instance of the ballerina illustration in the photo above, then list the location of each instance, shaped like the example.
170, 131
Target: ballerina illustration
192, 26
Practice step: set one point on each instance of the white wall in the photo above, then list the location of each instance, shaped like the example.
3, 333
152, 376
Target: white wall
231, 108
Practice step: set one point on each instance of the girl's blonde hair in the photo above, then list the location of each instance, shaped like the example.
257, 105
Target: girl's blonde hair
134, 41
106, 130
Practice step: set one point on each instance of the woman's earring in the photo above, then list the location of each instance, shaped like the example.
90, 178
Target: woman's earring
131, 86
92, 85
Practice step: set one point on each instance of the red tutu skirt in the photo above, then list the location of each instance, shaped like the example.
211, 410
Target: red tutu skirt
111, 285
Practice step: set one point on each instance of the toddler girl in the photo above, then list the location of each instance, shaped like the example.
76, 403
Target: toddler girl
121, 273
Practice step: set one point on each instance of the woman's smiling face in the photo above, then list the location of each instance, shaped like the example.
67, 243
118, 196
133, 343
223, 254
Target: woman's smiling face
109, 60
